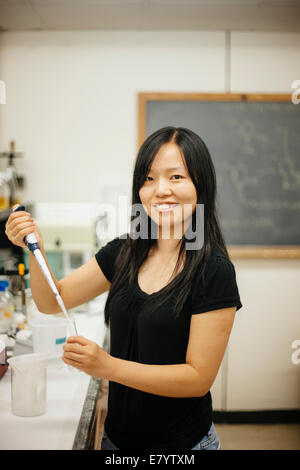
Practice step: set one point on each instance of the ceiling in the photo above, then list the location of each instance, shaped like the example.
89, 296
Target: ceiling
256, 15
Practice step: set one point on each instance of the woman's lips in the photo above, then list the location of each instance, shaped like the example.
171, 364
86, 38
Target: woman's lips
165, 207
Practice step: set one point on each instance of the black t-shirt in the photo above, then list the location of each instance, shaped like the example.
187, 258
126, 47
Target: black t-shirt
145, 421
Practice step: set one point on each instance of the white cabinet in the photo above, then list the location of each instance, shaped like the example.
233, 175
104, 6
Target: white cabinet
260, 374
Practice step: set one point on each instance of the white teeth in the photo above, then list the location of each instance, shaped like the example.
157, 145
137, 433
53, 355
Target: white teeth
165, 206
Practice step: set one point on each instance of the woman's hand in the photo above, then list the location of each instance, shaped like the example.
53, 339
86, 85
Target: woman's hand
18, 225
87, 356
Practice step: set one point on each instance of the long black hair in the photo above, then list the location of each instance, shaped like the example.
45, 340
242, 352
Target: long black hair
135, 251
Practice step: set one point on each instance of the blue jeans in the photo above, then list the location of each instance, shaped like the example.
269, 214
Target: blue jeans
209, 442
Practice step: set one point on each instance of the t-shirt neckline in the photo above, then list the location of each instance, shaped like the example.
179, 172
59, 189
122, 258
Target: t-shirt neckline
140, 291
145, 294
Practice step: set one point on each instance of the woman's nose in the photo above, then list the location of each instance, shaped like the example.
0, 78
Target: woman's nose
163, 187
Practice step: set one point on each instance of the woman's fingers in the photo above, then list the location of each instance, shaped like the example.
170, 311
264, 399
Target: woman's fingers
71, 356
18, 226
22, 228
76, 348
73, 352
17, 234
73, 363
79, 340
16, 217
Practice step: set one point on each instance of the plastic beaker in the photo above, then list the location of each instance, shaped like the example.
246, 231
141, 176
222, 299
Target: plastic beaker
29, 384
49, 336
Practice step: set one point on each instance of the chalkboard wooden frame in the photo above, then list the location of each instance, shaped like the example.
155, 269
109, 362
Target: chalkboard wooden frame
235, 251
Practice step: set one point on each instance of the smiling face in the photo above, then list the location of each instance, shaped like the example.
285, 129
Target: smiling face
168, 194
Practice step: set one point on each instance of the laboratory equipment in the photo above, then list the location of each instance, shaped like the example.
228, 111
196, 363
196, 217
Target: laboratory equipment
32, 244
69, 235
21, 269
3, 358
28, 384
6, 314
23, 343
10, 181
49, 336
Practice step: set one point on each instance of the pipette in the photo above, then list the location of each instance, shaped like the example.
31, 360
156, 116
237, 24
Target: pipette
32, 244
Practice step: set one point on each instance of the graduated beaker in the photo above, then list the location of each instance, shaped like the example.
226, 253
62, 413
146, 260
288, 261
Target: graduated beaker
49, 336
28, 384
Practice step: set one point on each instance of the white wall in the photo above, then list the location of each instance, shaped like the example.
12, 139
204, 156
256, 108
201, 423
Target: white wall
72, 109
72, 100
264, 62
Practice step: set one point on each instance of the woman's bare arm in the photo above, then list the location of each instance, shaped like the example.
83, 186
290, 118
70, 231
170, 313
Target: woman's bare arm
209, 335
79, 287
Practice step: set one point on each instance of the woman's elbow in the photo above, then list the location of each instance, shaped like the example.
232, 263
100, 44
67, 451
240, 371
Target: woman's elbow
47, 309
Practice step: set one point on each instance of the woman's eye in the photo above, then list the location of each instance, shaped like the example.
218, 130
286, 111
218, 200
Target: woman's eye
177, 177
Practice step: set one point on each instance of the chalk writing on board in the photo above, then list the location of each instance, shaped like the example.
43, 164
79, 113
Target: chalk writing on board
255, 147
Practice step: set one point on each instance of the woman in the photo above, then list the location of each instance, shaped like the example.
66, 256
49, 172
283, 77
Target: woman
171, 301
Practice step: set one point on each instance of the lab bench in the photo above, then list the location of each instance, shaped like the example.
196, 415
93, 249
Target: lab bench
73, 416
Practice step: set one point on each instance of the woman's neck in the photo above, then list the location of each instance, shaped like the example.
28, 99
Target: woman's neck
166, 248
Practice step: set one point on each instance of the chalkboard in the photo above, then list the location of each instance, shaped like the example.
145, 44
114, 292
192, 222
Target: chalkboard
255, 147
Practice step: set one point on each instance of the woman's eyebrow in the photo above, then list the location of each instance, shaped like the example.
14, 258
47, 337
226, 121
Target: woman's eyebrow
170, 169
174, 168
